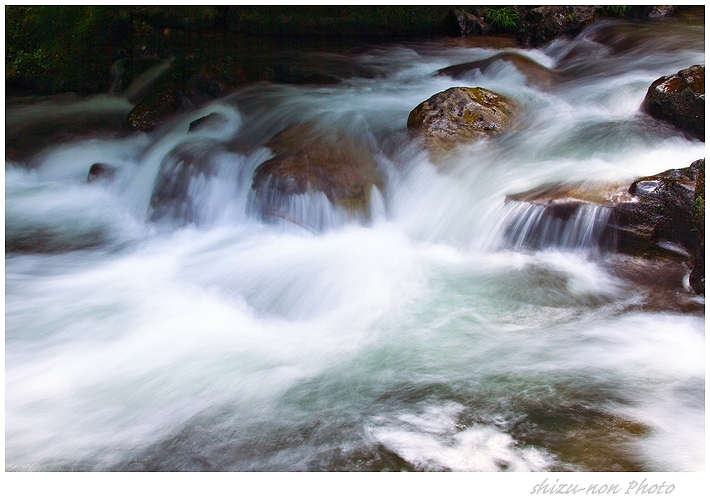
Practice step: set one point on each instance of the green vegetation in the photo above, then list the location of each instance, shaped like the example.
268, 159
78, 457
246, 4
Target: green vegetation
504, 18
67, 47
617, 10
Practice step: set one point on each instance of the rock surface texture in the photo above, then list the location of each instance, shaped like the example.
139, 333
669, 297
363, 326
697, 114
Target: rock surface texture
462, 114
679, 100
548, 22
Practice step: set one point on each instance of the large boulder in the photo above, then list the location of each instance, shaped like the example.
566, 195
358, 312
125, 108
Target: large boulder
659, 218
309, 159
679, 100
461, 114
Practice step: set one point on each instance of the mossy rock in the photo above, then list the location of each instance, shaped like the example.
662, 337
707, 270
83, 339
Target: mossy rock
461, 115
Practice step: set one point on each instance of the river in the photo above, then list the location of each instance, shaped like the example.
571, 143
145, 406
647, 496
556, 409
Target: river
420, 338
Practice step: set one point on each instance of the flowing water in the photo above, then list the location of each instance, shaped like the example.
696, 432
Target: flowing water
425, 336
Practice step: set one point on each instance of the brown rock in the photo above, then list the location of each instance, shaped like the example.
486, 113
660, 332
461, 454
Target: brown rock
311, 159
679, 100
461, 114
535, 74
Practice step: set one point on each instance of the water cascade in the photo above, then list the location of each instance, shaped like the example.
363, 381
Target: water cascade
181, 316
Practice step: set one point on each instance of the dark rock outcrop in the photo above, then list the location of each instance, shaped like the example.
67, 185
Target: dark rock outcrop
548, 22
174, 93
461, 114
163, 101
309, 159
659, 217
461, 23
679, 100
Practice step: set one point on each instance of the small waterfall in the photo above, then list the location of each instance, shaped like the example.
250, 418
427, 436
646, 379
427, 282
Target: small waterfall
565, 226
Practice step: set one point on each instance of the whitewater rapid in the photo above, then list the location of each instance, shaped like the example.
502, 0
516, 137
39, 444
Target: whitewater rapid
420, 339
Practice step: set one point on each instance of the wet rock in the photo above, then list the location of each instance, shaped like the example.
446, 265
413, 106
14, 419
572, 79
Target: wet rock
679, 100
99, 171
544, 24
207, 122
567, 215
461, 114
658, 217
48, 240
536, 74
172, 197
308, 159
163, 101
658, 221
697, 276
582, 434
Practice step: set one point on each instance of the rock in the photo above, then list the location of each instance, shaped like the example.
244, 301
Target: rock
308, 159
174, 93
697, 276
461, 114
463, 24
207, 122
163, 101
567, 215
172, 197
536, 74
661, 11
679, 100
658, 221
658, 217
544, 24
99, 171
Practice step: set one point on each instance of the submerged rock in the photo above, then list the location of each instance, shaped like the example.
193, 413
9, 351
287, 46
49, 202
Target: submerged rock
210, 121
309, 159
536, 74
679, 100
99, 171
461, 114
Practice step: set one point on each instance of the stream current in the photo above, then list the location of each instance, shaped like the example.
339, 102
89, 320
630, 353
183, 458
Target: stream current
421, 338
